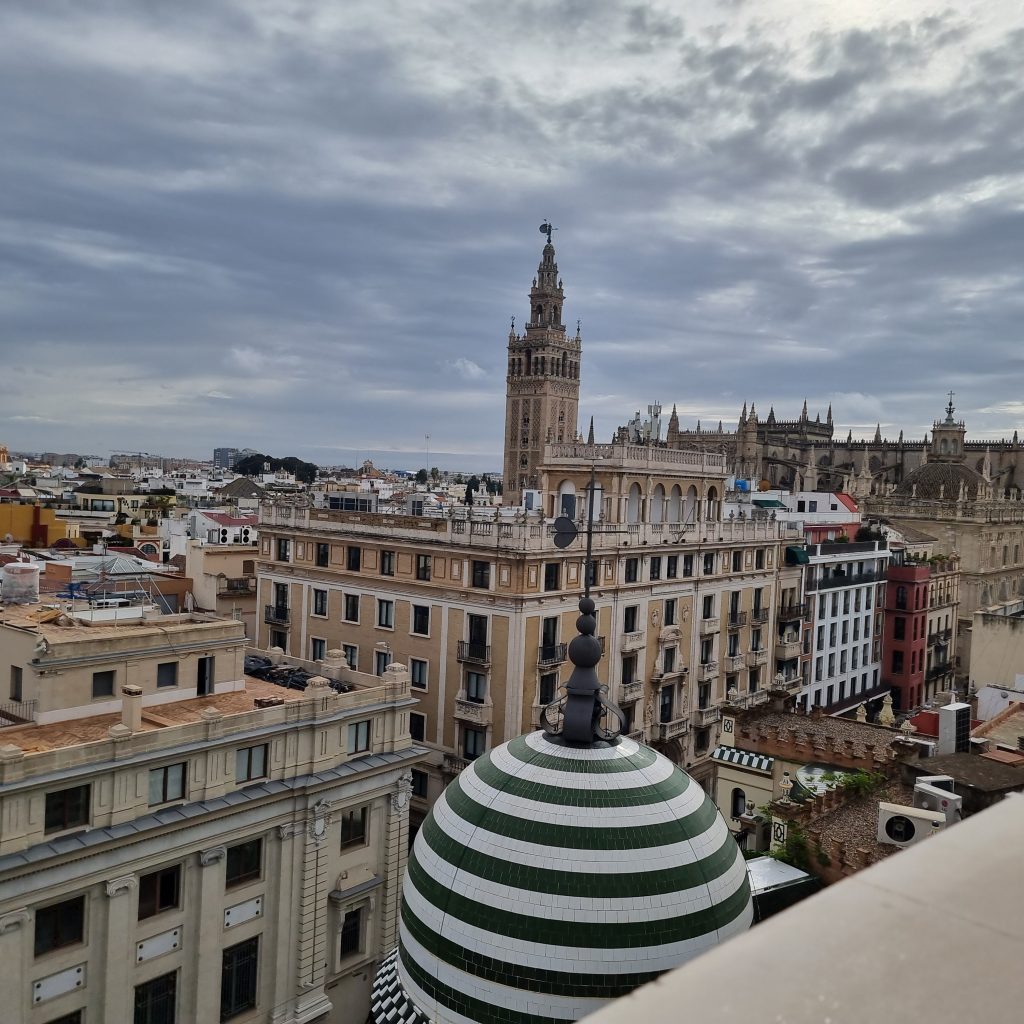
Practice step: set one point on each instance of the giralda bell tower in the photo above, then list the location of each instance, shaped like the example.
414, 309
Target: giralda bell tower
543, 384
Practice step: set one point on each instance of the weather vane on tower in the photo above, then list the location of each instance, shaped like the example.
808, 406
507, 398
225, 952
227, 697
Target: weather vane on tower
546, 229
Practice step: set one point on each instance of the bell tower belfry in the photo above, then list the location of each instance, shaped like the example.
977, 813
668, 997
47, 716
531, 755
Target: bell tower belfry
948, 437
543, 383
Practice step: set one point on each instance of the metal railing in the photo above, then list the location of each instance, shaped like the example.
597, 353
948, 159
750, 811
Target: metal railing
17, 712
759, 615
788, 612
853, 580
551, 654
475, 653
276, 614
736, 619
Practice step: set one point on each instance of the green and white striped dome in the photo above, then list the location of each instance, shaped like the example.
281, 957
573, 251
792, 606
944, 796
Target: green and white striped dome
550, 878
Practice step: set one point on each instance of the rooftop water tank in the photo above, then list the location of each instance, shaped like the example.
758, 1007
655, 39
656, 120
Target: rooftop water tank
19, 583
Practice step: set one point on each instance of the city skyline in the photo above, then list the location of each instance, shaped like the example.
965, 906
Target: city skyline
208, 227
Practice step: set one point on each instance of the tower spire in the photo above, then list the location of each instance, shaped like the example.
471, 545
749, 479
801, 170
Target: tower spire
590, 433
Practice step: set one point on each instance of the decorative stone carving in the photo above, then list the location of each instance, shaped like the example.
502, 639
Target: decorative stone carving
292, 828
400, 798
213, 855
119, 886
319, 821
14, 920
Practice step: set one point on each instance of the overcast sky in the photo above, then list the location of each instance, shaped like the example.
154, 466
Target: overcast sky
302, 227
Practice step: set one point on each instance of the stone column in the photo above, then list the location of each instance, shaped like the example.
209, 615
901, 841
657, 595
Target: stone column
206, 955
396, 847
121, 915
15, 940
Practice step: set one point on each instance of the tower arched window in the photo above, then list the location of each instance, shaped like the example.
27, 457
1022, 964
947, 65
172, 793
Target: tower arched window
529, 361
633, 504
658, 505
712, 505
675, 505
539, 314
565, 364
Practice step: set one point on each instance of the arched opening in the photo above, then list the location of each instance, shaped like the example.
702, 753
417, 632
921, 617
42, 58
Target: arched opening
712, 509
567, 499
539, 314
657, 505
690, 505
738, 803
675, 505
565, 363
943, 447
543, 365
633, 504
529, 361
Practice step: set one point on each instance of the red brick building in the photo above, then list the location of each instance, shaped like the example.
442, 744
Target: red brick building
905, 633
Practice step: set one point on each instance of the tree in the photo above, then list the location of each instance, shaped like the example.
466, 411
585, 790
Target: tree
421, 476
474, 482
435, 474
468, 499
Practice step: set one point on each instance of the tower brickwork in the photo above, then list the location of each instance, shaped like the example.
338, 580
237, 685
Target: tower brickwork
542, 385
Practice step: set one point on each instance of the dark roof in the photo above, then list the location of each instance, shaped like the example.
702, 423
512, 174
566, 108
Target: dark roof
973, 771
940, 481
241, 487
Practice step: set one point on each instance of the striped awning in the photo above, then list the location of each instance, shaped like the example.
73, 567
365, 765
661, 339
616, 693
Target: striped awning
744, 758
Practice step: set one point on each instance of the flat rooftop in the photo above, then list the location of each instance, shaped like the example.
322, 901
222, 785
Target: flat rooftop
34, 739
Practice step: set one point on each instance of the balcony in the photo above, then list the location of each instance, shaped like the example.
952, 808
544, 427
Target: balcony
453, 764
632, 642
240, 585
755, 658
276, 615
787, 647
709, 626
937, 671
632, 691
550, 654
789, 612
759, 615
704, 717
855, 580
473, 711
734, 662
673, 729
707, 670
735, 620
17, 712
638, 735
474, 653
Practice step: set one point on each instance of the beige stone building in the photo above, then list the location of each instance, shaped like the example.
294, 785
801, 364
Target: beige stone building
943, 613
172, 857
224, 580
997, 647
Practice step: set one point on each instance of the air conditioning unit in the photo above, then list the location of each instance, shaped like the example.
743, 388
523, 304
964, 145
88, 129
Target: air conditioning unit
223, 536
245, 535
935, 793
901, 826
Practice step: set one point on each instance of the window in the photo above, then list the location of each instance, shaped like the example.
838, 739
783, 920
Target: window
708, 606
353, 826
417, 725
707, 651
67, 808
351, 607
352, 933
155, 1000
423, 567
687, 565
319, 602
420, 781
709, 563
755, 640
351, 653
244, 863
701, 739
656, 567
60, 925
897, 661
387, 563
381, 660
899, 628
385, 614
593, 571
167, 783
359, 737
738, 803
474, 743
759, 558
901, 598
547, 688
353, 558
251, 763
671, 567
704, 695
670, 612
323, 555
159, 891
628, 669
284, 550
317, 649
552, 573
819, 669
481, 578
103, 684
737, 561
15, 682
279, 638
629, 618
421, 619
167, 674
669, 660
632, 569
418, 673
666, 700
476, 687
831, 665
239, 968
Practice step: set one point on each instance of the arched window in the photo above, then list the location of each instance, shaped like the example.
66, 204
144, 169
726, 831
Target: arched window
543, 365
565, 363
675, 505
944, 447
711, 510
539, 314
738, 803
633, 503
567, 499
529, 361
657, 505
901, 598
690, 505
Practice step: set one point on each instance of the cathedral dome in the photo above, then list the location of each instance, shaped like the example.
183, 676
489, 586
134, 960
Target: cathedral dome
940, 481
551, 877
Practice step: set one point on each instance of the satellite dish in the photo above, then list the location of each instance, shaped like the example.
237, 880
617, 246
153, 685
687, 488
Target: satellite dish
565, 532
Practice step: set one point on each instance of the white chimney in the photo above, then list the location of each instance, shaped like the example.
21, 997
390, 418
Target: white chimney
131, 708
